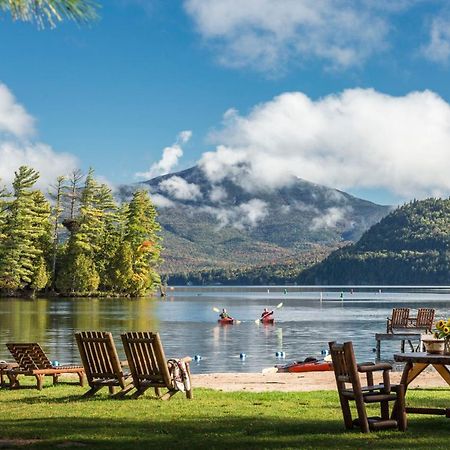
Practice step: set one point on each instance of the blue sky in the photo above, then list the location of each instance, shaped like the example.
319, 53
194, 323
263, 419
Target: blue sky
114, 94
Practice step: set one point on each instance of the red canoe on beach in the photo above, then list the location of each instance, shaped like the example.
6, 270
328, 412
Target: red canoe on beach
227, 321
310, 366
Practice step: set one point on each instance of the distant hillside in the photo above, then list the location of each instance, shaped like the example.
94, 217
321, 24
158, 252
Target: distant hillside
409, 246
209, 226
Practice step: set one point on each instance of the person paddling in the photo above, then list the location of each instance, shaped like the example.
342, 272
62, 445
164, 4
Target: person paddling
266, 313
225, 315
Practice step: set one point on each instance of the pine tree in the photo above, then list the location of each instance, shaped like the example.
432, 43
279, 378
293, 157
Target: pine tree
142, 234
26, 231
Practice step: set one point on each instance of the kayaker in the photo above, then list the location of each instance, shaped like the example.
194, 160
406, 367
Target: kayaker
224, 314
266, 313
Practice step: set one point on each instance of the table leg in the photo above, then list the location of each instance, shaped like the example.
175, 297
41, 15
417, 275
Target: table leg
443, 372
412, 371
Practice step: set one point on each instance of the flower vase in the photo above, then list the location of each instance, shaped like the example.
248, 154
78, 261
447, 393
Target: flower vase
447, 346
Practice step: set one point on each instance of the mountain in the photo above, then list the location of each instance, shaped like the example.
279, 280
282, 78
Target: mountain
409, 246
210, 225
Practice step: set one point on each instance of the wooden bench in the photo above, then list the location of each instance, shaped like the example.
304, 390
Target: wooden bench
32, 361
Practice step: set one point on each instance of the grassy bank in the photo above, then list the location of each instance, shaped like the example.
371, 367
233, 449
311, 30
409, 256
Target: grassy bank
57, 418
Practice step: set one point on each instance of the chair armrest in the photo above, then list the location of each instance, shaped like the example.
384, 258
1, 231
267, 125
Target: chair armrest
186, 359
371, 367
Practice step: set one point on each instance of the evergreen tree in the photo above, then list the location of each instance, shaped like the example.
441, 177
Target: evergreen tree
25, 233
142, 234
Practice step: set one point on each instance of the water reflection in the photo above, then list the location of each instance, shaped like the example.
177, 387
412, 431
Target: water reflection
188, 324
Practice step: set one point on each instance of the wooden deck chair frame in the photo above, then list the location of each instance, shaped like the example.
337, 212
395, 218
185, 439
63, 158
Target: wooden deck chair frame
101, 363
346, 371
424, 319
399, 319
149, 366
32, 361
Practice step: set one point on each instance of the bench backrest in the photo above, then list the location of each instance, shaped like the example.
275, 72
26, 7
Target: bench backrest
99, 356
425, 318
400, 317
29, 356
146, 358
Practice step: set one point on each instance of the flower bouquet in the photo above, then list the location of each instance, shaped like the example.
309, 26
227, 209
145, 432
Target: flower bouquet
438, 342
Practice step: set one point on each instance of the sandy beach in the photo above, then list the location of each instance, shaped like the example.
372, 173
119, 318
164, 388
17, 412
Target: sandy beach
294, 382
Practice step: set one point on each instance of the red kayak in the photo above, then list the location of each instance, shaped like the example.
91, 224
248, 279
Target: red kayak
227, 321
310, 366
267, 320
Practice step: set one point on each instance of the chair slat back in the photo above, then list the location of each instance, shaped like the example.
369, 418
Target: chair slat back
99, 355
146, 358
400, 317
29, 356
425, 318
344, 365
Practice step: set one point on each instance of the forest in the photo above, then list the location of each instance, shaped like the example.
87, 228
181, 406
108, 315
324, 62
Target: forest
76, 239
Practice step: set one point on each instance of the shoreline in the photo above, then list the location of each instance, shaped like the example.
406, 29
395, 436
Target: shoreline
296, 382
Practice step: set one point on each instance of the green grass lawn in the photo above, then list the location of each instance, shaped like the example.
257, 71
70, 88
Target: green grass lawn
57, 418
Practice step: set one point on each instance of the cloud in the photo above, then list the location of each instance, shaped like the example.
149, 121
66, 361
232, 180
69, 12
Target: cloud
169, 158
331, 218
438, 49
40, 157
14, 119
162, 202
242, 216
217, 194
359, 138
265, 34
180, 189
17, 127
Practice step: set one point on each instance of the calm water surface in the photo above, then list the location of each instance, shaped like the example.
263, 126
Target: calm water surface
188, 324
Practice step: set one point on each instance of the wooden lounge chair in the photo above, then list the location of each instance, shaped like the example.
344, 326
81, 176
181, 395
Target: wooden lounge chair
424, 319
149, 366
32, 361
346, 371
101, 362
399, 320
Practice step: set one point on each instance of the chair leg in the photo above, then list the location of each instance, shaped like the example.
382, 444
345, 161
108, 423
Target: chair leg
13, 381
80, 378
401, 408
140, 392
346, 412
168, 395
384, 406
55, 379
111, 390
157, 392
91, 391
39, 382
362, 414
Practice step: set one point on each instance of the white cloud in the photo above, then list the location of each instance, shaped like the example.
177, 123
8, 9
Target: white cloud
13, 117
17, 149
39, 156
357, 139
162, 202
169, 158
331, 218
180, 189
242, 216
217, 194
438, 49
266, 34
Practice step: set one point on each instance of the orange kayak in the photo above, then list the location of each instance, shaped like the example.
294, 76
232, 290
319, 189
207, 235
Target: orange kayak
267, 320
226, 321
313, 366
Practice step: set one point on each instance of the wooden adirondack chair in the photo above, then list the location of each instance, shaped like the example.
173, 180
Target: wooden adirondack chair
149, 366
346, 371
32, 361
424, 319
399, 319
101, 362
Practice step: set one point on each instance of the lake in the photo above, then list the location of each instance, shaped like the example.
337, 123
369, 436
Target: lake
188, 324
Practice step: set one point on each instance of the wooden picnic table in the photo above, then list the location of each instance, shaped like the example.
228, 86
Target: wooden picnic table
416, 363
